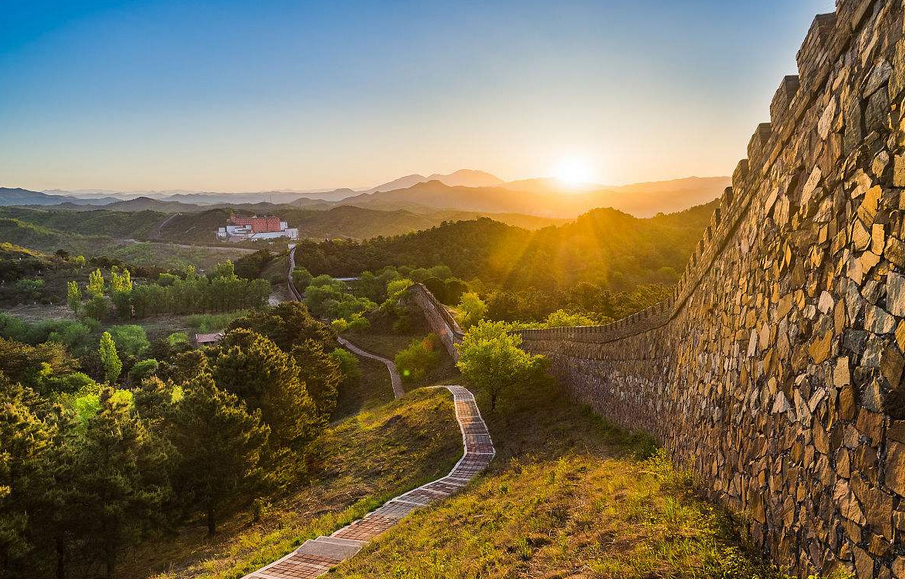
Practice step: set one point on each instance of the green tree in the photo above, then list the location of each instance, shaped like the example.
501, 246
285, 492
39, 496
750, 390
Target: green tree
130, 340
287, 324
211, 427
121, 282
471, 310
96, 283
491, 359
97, 308
109, 358
348, 364
35, 366
266, 378
74, 296
122, 478
321, 374
301, 277
143, 369
225, 270
25, 440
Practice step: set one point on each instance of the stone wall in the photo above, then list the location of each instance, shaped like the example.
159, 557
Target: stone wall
774, 370
438, 318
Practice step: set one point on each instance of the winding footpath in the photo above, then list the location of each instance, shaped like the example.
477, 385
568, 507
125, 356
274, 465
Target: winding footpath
317, 556
395, 379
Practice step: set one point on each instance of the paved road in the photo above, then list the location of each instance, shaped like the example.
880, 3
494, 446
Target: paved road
317, 556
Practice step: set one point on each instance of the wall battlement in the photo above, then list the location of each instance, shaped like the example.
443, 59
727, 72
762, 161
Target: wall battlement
775, 369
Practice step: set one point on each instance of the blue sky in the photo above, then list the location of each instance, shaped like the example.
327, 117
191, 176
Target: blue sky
257, 95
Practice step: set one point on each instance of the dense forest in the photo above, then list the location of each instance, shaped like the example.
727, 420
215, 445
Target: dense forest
110, 442
605, 247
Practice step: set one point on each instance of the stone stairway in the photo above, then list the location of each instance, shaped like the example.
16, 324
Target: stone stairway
317, 556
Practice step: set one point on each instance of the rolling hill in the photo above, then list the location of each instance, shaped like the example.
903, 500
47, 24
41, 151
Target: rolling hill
548, 197
464, 190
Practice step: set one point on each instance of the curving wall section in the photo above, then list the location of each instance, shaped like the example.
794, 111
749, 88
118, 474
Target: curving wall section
774, 371
438, 318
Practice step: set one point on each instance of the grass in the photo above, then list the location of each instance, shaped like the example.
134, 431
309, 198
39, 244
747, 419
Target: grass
567, 496
207, 323
368, 458
372, 389
386, 345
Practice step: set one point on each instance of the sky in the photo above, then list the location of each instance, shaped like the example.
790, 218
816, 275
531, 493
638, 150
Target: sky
260, 95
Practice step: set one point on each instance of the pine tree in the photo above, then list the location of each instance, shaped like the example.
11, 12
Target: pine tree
220, 444
25, 440
321, 374
96, 283
122, 477
109, 358
74, 296
252, 367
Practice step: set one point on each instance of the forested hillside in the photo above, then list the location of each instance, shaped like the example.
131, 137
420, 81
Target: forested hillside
602, 246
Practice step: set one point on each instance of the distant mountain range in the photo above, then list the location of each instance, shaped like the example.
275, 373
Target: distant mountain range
463, 190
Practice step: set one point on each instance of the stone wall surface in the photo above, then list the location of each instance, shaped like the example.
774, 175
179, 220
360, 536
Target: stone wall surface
775, 370
438, 318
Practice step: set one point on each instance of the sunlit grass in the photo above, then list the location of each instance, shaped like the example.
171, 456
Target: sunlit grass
367, 459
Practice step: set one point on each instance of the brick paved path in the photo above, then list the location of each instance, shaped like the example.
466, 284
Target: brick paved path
395, 379
317, 556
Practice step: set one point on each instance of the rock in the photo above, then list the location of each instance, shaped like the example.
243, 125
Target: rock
841, 376
891, 366
876, 320
898, 171
870, 397
898, 568
879, 164
847, 403
900, 335
826, 119
810, 185
877, 78
895, 252
895, 467
864, 563
819, 349
895, 294
867, 211
845, 501
877, 238
861, 239
780, 404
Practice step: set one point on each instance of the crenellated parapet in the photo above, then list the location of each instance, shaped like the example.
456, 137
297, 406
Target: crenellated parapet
775, 369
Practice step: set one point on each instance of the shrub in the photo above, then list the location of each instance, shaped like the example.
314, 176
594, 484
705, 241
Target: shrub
417, 360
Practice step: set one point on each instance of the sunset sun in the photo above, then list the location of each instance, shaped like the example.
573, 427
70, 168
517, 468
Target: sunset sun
572, 171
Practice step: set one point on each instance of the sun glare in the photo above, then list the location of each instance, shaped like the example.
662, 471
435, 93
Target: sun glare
572, 171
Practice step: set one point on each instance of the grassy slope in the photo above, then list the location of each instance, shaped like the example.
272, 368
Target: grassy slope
371, 390
370, 457
567, 496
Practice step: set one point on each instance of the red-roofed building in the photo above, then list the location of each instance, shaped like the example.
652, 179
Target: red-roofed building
255, 228
269, 224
